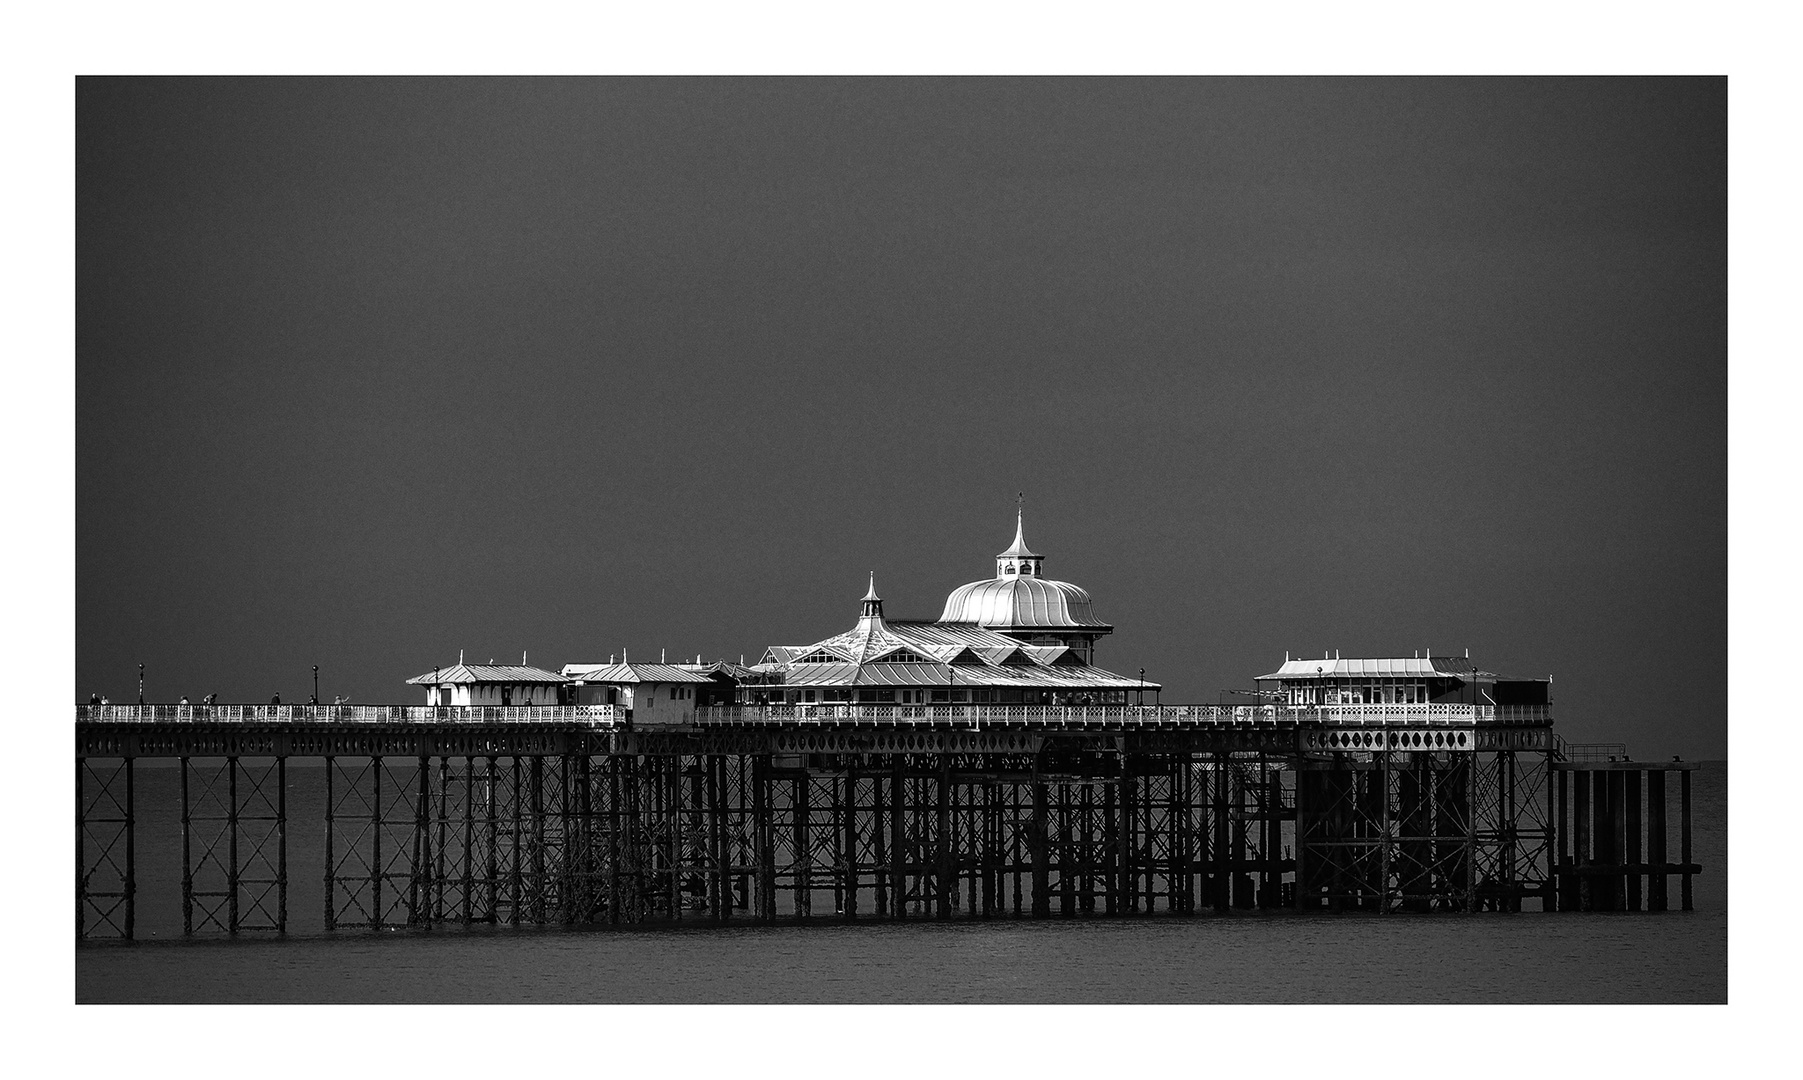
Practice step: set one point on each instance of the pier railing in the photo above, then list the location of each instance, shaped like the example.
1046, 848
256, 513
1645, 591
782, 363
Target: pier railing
1589, 752
944, 716
591, 715
1124, 716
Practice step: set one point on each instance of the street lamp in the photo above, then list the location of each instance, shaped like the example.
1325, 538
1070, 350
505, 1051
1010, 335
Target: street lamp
140, 684
1142, 688
315, 700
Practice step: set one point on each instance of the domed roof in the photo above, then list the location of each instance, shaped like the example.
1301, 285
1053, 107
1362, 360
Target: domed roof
1020, 602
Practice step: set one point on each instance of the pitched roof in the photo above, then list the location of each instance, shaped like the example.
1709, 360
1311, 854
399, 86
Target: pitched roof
1401, 667
958, 655
718, 667
632, 673
1062, 677
485, 673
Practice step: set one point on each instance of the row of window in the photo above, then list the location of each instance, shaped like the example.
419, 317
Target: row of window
1376, 693
489, 695
924, 696
900, 656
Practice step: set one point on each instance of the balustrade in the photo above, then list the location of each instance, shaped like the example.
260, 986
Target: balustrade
592, 715
958, 716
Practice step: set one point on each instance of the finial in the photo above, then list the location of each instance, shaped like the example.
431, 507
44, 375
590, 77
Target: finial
871, 595
1020, 548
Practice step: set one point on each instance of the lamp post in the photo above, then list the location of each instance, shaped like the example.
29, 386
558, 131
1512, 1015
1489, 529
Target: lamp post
1142, 688
140, 684
315, 684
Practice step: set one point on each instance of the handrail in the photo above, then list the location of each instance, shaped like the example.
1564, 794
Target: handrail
954, 716
1596, 751
1439, 714
590, 715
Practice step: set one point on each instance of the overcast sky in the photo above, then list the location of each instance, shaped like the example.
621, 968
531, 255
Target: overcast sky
372, 371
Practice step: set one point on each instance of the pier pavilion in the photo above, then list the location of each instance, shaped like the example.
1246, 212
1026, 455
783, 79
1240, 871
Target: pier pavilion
501, 685
1018, 638
656, 693
1403, 680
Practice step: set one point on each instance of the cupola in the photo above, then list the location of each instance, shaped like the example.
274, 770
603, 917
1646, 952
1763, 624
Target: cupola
1019, 560
872, 610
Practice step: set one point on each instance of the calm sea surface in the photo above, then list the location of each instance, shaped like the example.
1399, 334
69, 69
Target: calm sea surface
1615, 957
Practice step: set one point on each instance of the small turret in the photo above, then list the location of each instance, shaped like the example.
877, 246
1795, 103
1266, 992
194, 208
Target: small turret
873, 604
1019, 560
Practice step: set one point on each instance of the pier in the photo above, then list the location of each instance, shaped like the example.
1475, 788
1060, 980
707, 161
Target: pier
442, 816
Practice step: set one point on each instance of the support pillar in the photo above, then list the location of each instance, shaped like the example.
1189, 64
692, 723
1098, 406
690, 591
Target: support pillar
1223, 866
1658, 891
1631, 834
1583, 844
1036, 843
848, 859
1129, 869
943, 835
1684, 853
898, 835
188, 860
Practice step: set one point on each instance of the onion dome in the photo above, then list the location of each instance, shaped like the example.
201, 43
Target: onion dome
1019, 597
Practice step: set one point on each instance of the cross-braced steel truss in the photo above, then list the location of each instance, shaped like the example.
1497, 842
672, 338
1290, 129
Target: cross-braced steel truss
1079, 826
105, 848
1386, 831
234, 845
1513, 805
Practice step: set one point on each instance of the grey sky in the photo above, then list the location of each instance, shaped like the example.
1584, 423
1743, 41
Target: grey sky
369, 371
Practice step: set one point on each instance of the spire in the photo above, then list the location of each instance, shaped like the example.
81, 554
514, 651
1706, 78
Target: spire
873, 604
1019, 560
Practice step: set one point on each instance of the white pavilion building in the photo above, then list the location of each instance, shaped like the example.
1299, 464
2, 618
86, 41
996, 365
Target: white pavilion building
1018, 638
